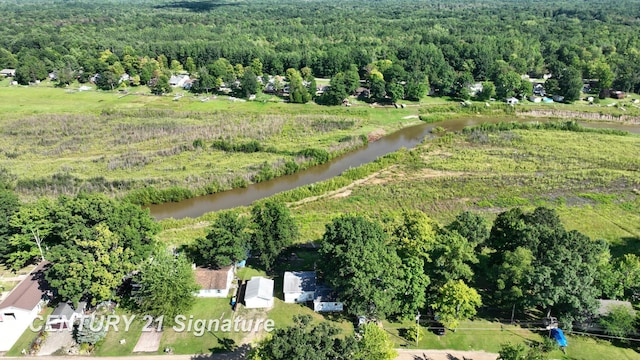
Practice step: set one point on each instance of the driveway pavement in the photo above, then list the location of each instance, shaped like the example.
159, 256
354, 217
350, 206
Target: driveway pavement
56, 340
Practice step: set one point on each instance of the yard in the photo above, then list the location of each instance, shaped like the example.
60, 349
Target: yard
488, 336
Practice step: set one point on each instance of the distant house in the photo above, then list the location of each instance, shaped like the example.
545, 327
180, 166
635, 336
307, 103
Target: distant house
617, 95
604, 308
64, 315
558, 98
214, 283
362, 92
535, 99
512, 101
22, 306
178, 80
124, 78
299, 286
326, 300
8, 72
475, 89
258, 293
539, 90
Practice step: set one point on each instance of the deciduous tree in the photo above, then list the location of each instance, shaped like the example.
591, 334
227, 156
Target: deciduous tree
456, 302
274, 231
167, 286
226, 243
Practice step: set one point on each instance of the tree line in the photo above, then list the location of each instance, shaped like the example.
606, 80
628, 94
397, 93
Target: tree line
443, 45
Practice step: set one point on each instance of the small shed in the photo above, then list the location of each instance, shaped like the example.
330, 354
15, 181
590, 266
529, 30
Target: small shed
258, 293
512, 101
535, 99
299, 286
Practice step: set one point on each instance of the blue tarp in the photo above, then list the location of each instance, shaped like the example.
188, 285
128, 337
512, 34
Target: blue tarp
558, 335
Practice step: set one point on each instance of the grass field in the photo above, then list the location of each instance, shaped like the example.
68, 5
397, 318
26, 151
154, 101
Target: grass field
60, 141
592, 179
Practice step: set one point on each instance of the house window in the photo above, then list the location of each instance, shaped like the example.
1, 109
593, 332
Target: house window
7, 315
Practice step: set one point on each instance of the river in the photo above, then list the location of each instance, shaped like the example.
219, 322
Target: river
405, 138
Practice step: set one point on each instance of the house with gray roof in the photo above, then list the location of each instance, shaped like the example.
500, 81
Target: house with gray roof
299, 286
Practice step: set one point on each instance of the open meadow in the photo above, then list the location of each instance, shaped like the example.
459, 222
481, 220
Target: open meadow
57, 141
591, 179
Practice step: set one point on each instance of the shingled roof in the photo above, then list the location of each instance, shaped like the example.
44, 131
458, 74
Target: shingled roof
29, 292
212, 279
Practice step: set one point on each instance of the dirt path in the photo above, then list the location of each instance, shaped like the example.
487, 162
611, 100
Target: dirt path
444, 355
341, 192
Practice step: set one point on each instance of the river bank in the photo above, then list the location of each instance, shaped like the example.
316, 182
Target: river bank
405, 138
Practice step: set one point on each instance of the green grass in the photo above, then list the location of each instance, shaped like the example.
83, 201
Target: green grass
589, 178
110, 345
187, 342
489, 336
56, 141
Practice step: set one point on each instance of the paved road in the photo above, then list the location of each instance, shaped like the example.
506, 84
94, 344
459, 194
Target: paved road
403, 355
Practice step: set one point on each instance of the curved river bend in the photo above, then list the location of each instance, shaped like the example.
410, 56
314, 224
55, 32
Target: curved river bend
405, 138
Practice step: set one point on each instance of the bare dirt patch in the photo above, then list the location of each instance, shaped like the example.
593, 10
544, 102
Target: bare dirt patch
444, 355
342, 194
375, 135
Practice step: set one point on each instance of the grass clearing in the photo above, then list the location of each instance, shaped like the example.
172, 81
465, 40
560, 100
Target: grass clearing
489, 336
59, 141
589, 178
111, 346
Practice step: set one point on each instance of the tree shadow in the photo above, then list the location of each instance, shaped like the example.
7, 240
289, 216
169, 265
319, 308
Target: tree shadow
195, 6
240, 353
626, 245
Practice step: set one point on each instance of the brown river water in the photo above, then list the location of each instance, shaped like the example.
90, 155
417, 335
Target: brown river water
405, 138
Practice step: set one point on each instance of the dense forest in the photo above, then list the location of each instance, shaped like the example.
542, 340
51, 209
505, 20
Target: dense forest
443, 44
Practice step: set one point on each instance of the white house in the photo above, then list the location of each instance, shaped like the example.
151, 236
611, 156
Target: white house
8, 72
299, 286
535, 99
178, 80
475, 89
326, 300
258, 293
21, 307
512, 101
214, 283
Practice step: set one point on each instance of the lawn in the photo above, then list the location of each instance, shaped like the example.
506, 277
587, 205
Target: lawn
111, 345
488, 336
195, 340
